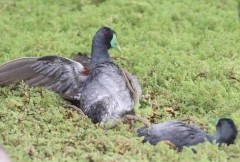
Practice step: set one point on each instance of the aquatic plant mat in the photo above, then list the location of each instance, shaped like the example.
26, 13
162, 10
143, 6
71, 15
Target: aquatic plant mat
185, 54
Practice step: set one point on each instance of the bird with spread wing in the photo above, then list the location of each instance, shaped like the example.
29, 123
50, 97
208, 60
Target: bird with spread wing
101, 89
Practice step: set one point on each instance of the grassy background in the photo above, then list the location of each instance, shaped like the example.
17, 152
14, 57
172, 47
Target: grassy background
186, 55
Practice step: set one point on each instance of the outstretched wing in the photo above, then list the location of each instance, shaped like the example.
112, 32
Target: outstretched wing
58, 74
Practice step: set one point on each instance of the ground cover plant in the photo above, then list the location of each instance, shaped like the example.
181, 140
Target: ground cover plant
185, 54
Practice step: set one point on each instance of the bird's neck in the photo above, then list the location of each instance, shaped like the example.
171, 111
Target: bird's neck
99, 54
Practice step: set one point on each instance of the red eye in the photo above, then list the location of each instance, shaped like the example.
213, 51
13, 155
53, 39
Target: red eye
105, 34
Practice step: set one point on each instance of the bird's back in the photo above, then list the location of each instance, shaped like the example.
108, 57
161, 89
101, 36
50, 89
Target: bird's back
178, 133
105, 94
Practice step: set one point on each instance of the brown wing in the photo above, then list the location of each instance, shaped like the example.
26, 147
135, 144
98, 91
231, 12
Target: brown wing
58, 74
83, 59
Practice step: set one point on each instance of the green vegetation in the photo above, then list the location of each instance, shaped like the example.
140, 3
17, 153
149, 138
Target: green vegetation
185, 54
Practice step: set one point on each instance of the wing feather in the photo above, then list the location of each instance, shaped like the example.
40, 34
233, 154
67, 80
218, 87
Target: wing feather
56, 73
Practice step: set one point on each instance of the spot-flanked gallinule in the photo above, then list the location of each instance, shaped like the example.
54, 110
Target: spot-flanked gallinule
102, 90
181, 134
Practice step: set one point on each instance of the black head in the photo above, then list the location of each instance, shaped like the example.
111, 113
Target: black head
105, 36
226, 131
